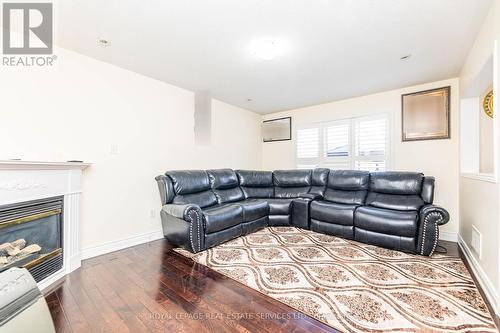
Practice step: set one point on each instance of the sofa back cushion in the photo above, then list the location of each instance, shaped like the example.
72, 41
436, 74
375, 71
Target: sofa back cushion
396, 190
192, 187
347, 186
256, 184
319, 179
291, 183
225, 185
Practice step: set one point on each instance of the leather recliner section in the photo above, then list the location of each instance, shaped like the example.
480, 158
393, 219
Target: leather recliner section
390, 217
345, 191
192, 187
291, 183
234, 209
256, 184
224, 184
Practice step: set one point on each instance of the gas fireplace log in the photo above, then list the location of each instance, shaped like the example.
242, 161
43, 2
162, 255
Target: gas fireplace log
17, 250
9, 250
20, 243
12, 249
33, 248
3, 249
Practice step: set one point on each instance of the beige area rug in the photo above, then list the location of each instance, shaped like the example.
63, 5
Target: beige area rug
352, 286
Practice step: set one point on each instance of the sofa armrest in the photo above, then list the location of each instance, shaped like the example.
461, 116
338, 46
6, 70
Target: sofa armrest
311, 196
182, 211
183, 226
431, 217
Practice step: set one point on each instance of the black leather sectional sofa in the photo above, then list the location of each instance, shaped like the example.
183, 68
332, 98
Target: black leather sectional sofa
202, 209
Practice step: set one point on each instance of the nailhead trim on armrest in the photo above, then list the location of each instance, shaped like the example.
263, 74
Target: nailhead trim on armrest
191, 221
425, 230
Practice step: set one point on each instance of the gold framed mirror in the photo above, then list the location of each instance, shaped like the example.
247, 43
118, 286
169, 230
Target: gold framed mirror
426, 115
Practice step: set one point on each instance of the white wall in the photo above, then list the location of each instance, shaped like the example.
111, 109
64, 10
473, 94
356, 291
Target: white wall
479, 200
438, 158
82, 107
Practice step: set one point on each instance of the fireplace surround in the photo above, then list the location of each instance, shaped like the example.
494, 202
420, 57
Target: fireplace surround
49, 192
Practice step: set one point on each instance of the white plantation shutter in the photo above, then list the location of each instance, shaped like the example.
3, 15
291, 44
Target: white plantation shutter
358, 143
337, 152
370, 143
308, 143
308, 148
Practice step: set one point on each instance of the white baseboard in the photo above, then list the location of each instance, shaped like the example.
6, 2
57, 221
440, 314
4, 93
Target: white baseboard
120, 244
448, 236
484, 281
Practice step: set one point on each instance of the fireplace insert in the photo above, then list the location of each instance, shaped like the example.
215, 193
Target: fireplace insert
31, 236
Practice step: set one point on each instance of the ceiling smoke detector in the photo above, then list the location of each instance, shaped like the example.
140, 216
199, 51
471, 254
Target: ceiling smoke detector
103, 42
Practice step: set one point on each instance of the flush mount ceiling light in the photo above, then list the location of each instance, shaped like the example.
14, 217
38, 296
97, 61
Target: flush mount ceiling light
267, 48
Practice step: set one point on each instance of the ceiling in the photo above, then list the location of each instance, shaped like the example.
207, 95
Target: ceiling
335, 49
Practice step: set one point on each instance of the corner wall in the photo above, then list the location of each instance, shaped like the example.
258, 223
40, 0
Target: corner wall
438, 158
130, 126
479, 199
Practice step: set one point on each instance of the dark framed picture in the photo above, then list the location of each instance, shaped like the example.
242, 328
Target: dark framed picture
426, 115
279, 129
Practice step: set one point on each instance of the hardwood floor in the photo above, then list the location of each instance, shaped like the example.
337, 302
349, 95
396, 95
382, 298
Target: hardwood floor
149, 288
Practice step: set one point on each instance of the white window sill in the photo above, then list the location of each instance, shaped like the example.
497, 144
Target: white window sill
485, 177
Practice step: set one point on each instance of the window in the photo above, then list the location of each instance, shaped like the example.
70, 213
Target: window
358, 143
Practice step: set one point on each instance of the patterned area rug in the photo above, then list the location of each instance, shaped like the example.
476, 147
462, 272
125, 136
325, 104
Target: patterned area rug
353, 286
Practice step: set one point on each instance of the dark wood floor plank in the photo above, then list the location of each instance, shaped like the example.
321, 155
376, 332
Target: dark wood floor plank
111, 318
120, 298
228, 298
135, 295
186, 302
89, 310
61, 323
75, 317
146, 293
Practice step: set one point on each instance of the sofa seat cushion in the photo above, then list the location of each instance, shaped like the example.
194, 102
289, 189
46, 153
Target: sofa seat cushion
253, 209
386, 221
331, 212
222, 217
279, 206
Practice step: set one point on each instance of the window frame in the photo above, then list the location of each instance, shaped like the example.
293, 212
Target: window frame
323, 161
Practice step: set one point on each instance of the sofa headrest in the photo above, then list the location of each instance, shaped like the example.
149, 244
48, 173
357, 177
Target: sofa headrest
189, 181
319, 176
395, 182
292, 178
348, 180
255, 178
221, 179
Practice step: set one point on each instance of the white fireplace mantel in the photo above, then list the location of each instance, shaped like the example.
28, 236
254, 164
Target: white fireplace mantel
22, 181
39, 165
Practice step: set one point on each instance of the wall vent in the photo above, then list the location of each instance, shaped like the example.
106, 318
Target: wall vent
476, 241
